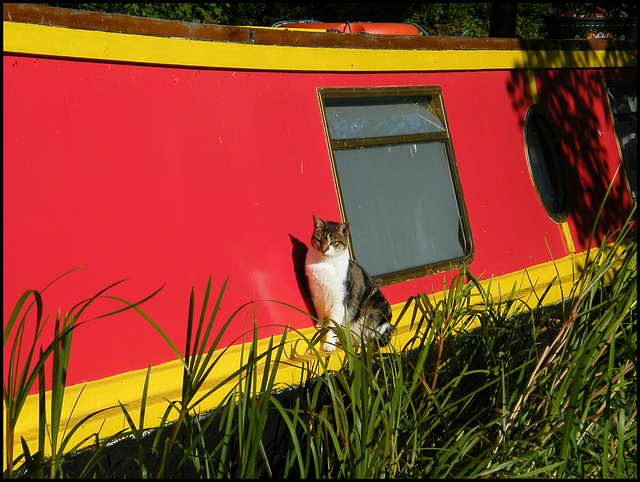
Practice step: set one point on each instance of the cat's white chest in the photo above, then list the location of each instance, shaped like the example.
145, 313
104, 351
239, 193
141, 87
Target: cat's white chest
327, 276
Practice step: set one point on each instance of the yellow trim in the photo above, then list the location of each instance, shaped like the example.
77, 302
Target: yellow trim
165, 380
533, 88
567, 237
47, 40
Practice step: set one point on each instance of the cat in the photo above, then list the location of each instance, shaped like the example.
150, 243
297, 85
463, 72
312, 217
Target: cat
336, 282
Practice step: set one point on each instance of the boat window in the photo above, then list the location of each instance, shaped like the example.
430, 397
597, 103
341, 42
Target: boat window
397, 180
623, 101
547, 165
380, 117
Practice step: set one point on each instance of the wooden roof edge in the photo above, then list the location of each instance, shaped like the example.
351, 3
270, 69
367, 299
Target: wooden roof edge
127, 24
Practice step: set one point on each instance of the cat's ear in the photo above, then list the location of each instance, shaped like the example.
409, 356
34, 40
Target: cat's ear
317, 222
344, 229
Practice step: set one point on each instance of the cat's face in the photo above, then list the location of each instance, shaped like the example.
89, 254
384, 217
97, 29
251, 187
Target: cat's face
329, 238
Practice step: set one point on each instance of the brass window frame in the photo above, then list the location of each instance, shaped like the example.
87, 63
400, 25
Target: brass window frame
561, 169
437, 105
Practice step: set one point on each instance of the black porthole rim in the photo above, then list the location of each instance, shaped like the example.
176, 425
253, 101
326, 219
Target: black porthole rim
536, 110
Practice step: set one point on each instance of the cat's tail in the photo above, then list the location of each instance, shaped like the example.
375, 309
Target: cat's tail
381, 333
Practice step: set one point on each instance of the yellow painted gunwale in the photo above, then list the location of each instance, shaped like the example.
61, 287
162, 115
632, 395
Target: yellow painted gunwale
45, 40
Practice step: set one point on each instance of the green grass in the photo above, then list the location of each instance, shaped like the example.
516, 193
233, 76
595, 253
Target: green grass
483, 388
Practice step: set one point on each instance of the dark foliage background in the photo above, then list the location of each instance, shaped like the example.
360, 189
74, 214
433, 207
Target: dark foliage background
435, 18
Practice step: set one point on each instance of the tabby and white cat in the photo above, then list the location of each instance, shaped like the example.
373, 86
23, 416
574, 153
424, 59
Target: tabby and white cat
336, 282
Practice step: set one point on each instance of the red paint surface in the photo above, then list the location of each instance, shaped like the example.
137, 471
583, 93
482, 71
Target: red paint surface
167, 175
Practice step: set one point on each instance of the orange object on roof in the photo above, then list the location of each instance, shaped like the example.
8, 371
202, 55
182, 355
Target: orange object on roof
358, 27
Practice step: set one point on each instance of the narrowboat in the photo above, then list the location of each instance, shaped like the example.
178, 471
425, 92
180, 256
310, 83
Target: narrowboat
165, 153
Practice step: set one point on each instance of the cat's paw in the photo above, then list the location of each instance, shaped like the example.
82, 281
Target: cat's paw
329, 347
330, 341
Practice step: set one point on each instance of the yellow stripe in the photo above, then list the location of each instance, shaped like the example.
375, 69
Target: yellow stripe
117, 47
567, 237
165, 379
533, 88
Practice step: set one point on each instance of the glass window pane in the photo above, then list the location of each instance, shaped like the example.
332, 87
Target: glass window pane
626, 131
401, 204
397, 182
622, 99
369, 117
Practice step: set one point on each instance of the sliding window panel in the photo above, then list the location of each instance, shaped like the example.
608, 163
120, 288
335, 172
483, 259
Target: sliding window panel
401, 204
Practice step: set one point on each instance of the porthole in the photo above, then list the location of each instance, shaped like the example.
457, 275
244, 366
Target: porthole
547, 165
